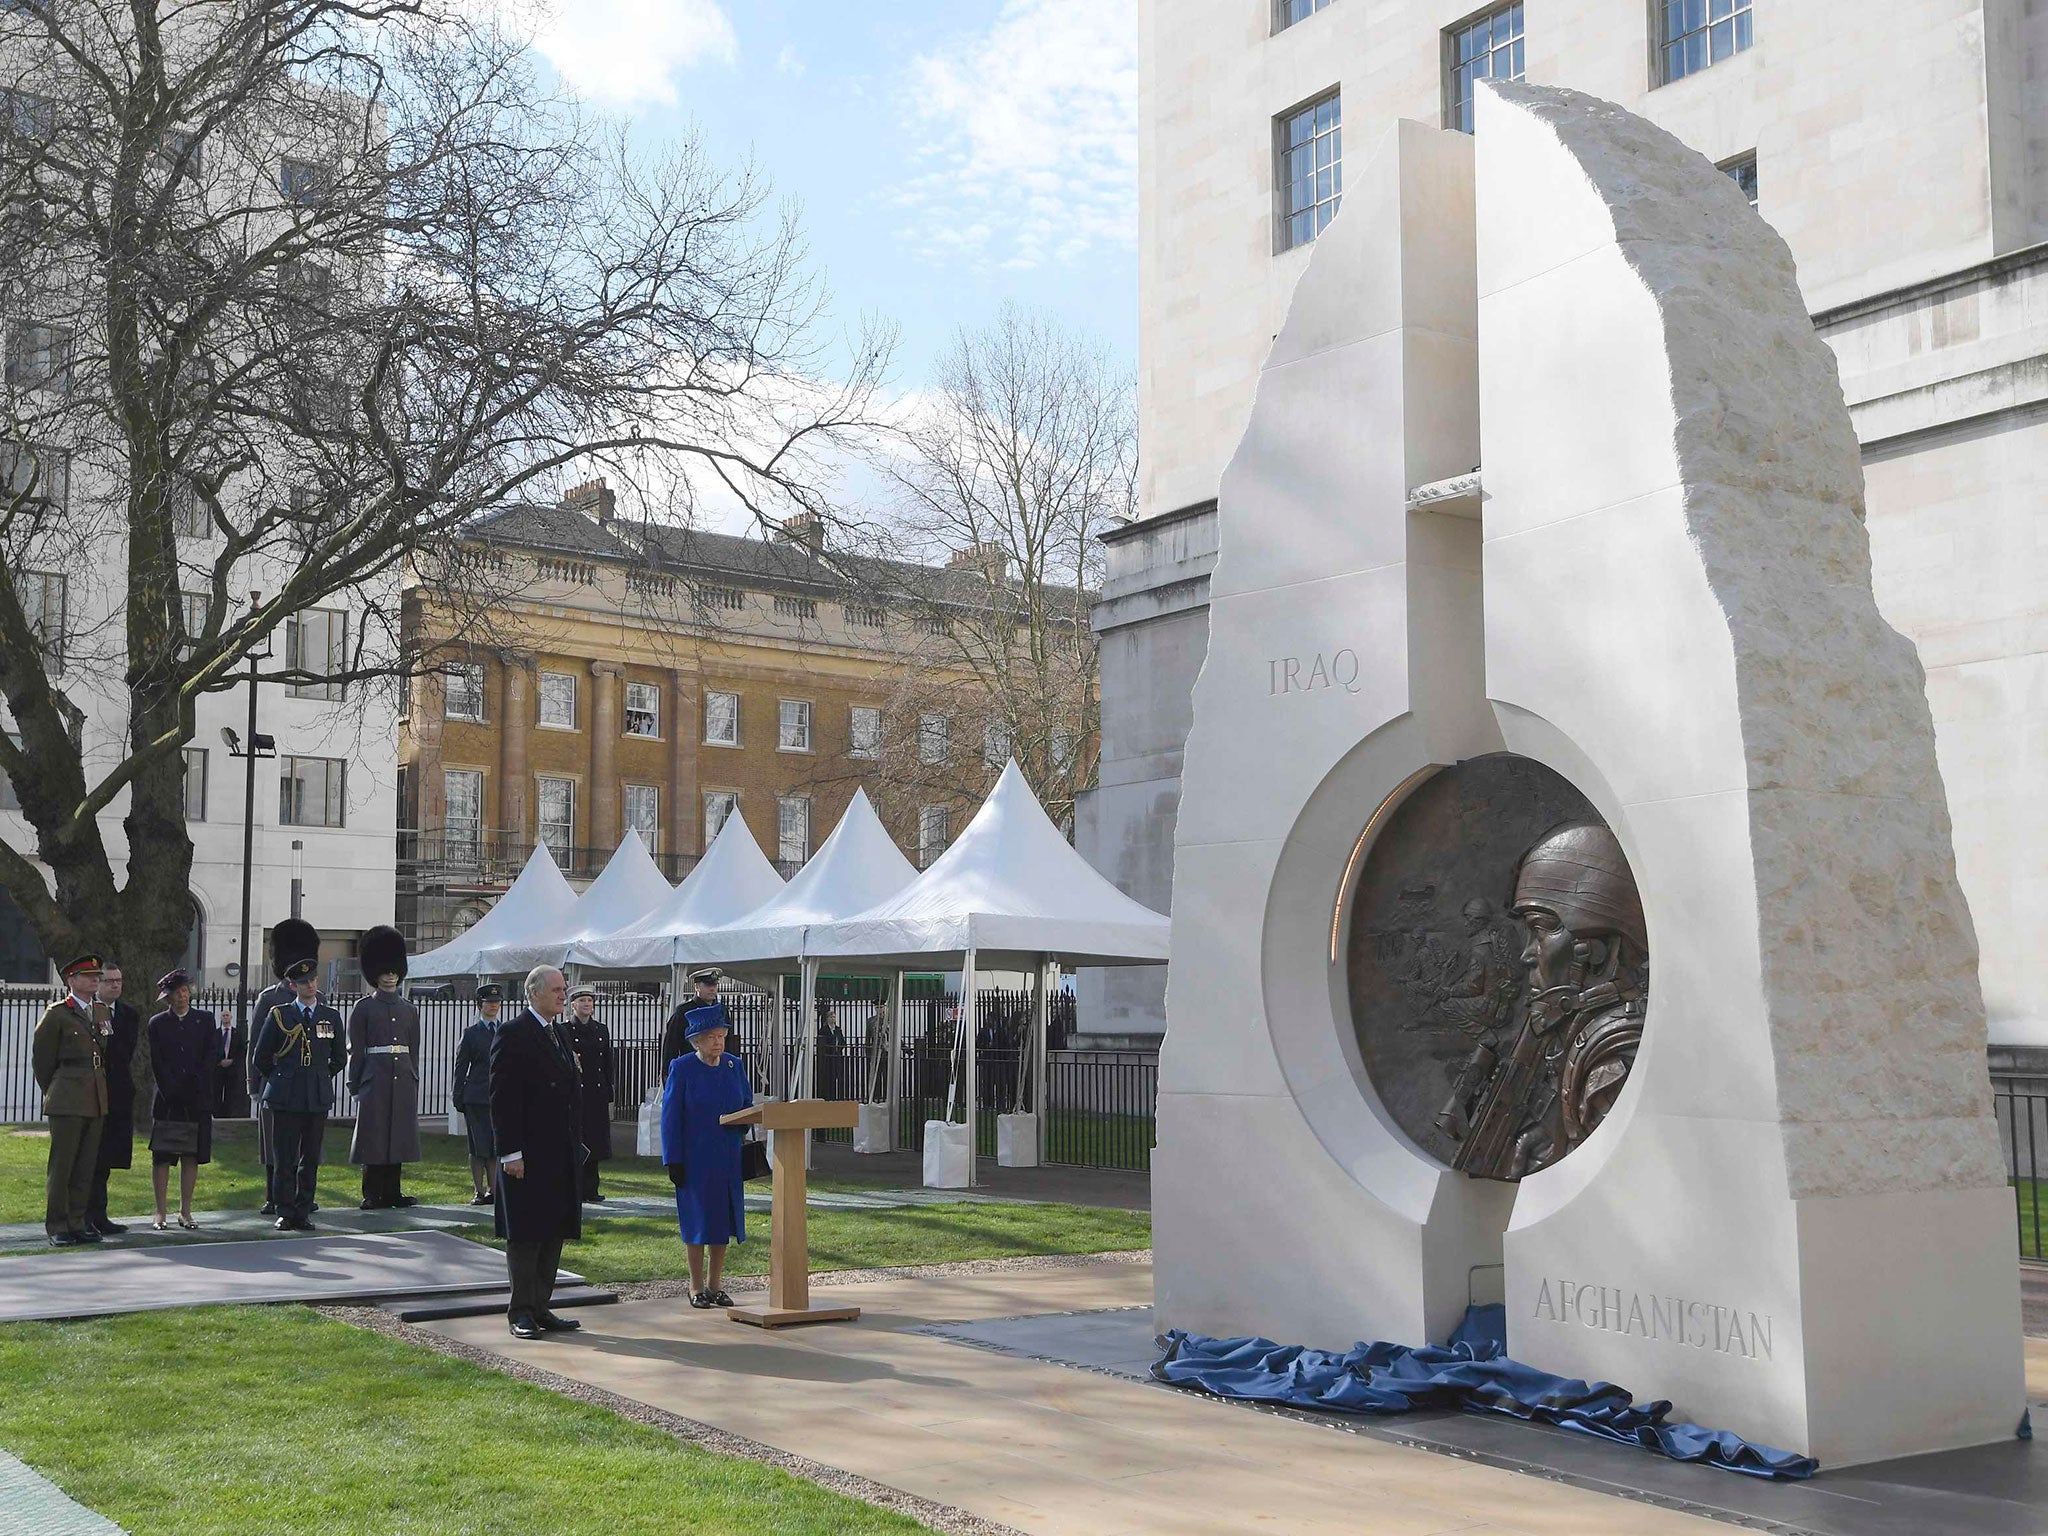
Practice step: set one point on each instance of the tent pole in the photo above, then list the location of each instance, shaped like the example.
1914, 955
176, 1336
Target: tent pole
807, 1060
1041, 1103
969, 1024
892, 1085
777, 1067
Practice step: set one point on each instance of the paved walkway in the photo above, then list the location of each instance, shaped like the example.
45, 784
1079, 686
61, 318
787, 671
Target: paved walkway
1039, 1447
31, 1503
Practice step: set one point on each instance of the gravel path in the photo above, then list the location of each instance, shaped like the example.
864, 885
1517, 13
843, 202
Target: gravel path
937, 1517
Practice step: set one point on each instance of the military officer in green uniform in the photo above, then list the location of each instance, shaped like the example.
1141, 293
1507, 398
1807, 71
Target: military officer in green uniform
301, 1046
71, 1069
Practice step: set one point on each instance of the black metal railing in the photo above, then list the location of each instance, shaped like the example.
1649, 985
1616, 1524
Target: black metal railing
1098, 1105
2023, 1131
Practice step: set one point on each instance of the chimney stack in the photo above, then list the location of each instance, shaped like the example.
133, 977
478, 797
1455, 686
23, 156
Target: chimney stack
593, 497
805, 528
990, 559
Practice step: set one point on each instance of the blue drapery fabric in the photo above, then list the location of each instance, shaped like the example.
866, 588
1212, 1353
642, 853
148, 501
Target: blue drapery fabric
1472, 1372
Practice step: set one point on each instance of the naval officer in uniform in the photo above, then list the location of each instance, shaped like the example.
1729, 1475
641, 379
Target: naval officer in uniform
471, 1091
71, 1068
592, 1043
300, 1047
675, 1034
383, 1072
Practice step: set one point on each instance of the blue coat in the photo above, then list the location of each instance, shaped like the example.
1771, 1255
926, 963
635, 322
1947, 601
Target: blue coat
296, 1060
711, 1200
184, 1056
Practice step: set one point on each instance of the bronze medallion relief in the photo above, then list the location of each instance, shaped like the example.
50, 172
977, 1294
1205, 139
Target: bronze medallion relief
1499, 966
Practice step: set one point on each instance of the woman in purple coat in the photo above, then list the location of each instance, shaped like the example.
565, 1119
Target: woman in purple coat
702, 1156
184, 1056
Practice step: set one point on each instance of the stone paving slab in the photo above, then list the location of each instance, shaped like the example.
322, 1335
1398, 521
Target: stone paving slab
32, 1505
86, 1282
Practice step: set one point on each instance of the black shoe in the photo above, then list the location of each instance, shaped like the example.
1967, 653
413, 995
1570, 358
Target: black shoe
285, 1224
374, 1205
269, 1208
701, 1300
479, 1199
61, 1239
720, 1299
313, 1207
104, 1227
553, 1324
595, 1196
405, 1200
524, 1327
86, 1237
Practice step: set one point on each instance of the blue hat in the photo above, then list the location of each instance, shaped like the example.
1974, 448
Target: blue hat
709, 1016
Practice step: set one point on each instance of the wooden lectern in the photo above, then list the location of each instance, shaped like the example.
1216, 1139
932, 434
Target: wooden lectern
789, 1255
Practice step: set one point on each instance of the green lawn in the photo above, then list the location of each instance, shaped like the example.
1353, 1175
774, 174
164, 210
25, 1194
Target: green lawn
270, 1421
233, 1181
642, 1248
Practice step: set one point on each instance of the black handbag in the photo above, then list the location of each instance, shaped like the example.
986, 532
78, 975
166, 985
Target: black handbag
753, 1160
175, 1138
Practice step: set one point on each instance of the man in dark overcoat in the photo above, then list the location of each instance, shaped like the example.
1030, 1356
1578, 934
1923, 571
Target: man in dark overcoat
69, 1060
675, 1040
535, 1108
301, 1045
121, 1037
384, 1073
292, 940
591, 1040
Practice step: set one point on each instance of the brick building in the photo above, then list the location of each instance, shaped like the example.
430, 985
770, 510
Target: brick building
662, 679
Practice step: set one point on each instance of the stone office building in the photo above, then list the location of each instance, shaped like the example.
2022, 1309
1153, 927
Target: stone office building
1901, 150
662, 679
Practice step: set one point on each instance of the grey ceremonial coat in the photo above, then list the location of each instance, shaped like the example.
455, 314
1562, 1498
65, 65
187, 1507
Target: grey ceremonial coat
386, 1086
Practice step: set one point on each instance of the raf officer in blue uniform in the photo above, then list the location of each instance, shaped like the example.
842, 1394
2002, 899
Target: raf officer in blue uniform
471, 1091
301, 1046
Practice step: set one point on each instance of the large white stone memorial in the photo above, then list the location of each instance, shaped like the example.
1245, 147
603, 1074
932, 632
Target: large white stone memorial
1585, 833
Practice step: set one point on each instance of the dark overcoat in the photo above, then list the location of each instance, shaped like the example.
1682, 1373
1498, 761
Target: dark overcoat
185, 1056
385, 1081
534, 1112
122, 1034
592, 1043
471, 1087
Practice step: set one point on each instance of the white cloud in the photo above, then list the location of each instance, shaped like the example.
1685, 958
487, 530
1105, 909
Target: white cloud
789, 62
622, 53
1032, 137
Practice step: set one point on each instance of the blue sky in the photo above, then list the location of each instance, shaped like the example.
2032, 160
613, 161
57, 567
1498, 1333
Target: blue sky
946, 157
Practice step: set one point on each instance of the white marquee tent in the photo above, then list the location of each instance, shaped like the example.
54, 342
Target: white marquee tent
630, 887
538, 904
732, 879
1010, 893
858, 866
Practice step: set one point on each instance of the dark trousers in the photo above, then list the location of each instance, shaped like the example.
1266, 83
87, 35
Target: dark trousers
380, 1182
590, 1162
532, 1267
67, 1187
96, 1202
295, 1138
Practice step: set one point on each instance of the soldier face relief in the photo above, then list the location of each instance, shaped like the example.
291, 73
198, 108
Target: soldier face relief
1499, 967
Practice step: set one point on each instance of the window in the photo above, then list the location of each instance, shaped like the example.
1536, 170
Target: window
1310, 178
643, 813
643, 709
180, 152
866, 616
314, 792
1489, 48
38, 357
317, 641
462, 692
721, 719
1698, 33
36, 476
792, 829
995, 744
299, 181
557, 799
558, 700
192, 611
462, 814
1743, 173
934, 738
195, 783
24, 115
189, 517
931, 834
794, 730
1287, 12
719, 804
866, 732
42, 595
797, 607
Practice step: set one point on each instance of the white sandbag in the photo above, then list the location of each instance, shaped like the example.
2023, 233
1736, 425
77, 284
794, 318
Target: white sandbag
458, 1122
647, 1143
1016, 1141
948, 1154
871, 1132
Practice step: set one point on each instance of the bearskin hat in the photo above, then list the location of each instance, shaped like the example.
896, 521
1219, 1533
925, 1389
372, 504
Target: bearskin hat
381, 951
291, 941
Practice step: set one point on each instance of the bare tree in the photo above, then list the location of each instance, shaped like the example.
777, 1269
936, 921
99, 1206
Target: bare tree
1025, 451
295, 291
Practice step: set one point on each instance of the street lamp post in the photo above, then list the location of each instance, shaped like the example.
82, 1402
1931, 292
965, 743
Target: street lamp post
259, 747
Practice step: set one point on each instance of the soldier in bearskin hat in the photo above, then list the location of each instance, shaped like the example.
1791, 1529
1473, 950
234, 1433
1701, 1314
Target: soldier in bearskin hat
383, 1072
291, 941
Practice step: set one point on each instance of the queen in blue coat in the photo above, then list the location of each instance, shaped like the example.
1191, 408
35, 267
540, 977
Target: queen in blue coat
702, 1156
